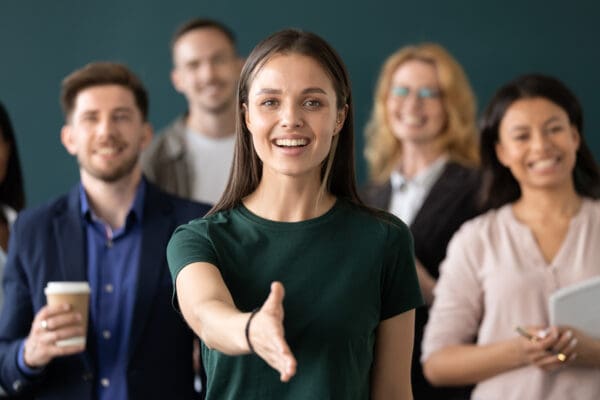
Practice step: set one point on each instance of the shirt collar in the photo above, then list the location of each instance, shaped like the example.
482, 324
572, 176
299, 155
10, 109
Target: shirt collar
425, 178
137, 207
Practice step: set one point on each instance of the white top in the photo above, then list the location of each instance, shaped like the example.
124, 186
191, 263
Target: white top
495, 278
210, 160
408, 195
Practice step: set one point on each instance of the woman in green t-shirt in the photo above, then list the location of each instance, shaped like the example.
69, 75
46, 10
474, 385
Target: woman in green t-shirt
290, 218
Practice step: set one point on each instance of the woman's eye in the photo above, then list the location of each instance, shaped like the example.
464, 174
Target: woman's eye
312, 103
269, 103
555, 129
400, 91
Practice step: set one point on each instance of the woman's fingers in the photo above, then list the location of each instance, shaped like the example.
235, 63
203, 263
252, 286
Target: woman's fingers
282, 360
274, 303
554, 350
268, 336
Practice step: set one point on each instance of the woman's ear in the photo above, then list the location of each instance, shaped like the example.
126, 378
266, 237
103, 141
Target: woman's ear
246, 116
340, 119
500, 154
576, 136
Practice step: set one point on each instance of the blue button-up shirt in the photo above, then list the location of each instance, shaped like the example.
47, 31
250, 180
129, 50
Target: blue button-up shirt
113, 266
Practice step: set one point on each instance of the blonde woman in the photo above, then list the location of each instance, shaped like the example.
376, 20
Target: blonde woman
421, 150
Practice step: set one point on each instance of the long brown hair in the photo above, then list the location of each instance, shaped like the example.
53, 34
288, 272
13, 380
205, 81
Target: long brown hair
337, 172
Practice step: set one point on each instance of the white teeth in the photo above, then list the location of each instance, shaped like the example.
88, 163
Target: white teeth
542, 164
291, 142
413, 120
106, 151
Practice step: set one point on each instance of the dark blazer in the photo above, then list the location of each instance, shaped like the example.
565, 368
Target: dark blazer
48, 243
451, 201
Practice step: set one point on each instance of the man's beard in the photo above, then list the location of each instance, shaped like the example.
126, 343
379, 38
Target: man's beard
214, 108
112, 175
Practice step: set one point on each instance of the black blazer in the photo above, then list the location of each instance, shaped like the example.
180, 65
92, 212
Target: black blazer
48, 244
451, 201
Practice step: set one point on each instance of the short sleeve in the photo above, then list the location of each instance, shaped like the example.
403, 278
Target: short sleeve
458, 306
190, 243
400, 286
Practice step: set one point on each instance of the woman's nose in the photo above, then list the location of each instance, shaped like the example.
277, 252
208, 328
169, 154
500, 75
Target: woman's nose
291, 117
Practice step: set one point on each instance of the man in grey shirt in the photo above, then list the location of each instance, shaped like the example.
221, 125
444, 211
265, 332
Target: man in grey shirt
192, 156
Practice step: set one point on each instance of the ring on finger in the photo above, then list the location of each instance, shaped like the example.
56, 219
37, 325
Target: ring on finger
561, 357
44, 324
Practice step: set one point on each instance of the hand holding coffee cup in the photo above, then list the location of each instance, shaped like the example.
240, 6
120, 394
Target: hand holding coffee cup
77, 296
60, 327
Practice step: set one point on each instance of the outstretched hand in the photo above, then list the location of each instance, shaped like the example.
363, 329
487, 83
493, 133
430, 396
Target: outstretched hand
267, 336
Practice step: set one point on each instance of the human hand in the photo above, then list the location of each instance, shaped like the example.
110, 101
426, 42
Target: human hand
51, 324
267, 336
584, 350
548, 348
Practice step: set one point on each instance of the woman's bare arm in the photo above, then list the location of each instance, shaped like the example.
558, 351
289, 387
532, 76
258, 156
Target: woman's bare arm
208, 308
393, 357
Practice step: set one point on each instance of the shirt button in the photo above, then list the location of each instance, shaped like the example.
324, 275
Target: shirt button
106, 335
105, 382
108, 288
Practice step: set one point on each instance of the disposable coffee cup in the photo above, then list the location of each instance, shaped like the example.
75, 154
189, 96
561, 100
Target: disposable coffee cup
76, 294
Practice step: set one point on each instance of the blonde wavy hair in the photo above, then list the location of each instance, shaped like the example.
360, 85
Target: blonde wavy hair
383, 150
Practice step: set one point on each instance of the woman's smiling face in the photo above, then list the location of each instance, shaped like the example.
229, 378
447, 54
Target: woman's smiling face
538, 143
292, 115
415, 110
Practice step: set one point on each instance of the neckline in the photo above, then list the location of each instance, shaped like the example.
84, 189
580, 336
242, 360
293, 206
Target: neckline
577, 216
533, 242
272, 224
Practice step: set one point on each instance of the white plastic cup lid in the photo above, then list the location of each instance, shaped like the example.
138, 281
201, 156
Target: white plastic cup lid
67, 287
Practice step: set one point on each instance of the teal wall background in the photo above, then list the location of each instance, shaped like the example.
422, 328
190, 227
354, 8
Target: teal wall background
42, 41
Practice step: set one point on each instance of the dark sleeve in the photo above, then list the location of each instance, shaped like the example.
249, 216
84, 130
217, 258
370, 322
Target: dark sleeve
189, 244
451, 202
16, 315
400, 286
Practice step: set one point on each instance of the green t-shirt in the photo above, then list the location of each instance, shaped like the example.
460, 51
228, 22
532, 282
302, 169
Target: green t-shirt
343, 273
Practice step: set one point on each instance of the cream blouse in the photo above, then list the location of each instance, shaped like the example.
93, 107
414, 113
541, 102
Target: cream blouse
495, 278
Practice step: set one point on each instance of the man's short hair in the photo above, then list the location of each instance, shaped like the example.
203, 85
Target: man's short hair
98, 74
202, 23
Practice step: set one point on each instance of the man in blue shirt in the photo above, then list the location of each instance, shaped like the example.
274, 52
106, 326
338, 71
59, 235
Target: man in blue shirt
110, 230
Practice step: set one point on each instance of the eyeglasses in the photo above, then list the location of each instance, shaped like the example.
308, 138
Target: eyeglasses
421, 93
